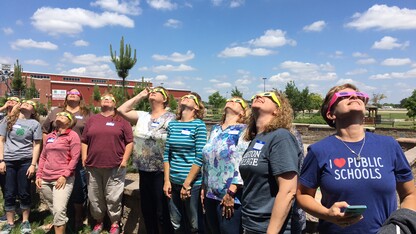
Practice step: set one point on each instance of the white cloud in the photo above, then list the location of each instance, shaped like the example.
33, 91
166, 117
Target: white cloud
214, 81
29, 43
236, 3
7, 31
338, 54
389, 43
359, 55
172, 68
305, 71
129, 7
6, 60
272, 38
366, 61
55, 21
38, 62
19, 22
175, 57
81, 43
356, 72
411, 74
173, 23
315, 26
85, 59
143, 68
396, 62
162, 4
382, 17
102, 70
161, 77
223, 85
244, 52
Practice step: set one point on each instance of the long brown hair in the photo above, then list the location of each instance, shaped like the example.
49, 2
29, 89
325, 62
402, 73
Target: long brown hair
14, 116
82, 107
283, 119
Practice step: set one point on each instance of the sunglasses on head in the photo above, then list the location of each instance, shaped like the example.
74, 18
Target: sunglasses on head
32, 103
74, 93
66, 114
16, 99
160, 90
108, 98
238, 100
271, 95
190, 96
343, 95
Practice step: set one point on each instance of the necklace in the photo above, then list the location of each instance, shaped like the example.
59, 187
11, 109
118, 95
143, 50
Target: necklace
358, 158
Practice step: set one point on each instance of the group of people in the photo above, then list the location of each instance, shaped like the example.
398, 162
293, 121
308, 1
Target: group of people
248, 175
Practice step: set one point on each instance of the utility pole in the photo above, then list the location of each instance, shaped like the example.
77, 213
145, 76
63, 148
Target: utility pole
264, 85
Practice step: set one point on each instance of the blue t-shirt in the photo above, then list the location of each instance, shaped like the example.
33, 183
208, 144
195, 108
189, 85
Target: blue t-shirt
370, 181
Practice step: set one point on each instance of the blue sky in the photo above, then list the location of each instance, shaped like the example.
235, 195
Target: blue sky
217, 45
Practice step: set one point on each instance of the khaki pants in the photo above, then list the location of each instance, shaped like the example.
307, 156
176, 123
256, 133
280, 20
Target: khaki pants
105, 192
57, 199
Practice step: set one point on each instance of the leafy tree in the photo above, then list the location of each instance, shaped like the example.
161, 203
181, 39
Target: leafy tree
31, 92
173, 104
304, 100
96, 95
410, 105
18, 84
377, 97
236, 93
216, 100
293, 94
123, 63
315, 101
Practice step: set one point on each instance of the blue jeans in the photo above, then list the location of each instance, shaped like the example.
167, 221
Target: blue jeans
185, 215
154, 203
216, 223
79, 192
17, 185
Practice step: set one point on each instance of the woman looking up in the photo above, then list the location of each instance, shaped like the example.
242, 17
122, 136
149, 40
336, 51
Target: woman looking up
353, 167
182, 160
149, 143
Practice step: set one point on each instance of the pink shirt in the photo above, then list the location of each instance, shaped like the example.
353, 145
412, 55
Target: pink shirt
59, 156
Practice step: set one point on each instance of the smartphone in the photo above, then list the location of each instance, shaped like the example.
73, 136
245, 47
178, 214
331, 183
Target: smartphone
355, 210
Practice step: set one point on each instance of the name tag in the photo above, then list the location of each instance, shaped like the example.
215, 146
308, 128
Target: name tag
17, 126
154, 124
79, 117
186, 132
233, 132
259, 145
110, 124
50, 140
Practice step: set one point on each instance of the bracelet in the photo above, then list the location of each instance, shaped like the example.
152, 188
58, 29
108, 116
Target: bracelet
231, 193
1, 160
33, 165
187, 189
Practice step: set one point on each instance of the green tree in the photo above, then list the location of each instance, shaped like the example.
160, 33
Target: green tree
118, 94
173, 104
216, 100
293, 94
236, 93
96, 95
31, 92
123, 63
315, 101
18, 84
410, 104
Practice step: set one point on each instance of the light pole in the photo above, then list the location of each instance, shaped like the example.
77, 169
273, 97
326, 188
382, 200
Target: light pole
264, 84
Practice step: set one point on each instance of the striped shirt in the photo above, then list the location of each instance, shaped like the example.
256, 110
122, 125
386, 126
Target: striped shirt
184, 148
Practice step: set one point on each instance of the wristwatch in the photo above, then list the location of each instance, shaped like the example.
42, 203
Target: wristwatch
231, 193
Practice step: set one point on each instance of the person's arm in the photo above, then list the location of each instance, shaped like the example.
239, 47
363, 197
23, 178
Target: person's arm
407, 194
2, 164
127, 109
126, 155
84, 151
287, 183
35, 156
167, 186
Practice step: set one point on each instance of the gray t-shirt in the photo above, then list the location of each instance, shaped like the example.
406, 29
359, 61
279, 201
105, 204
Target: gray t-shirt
19, 141
267, 156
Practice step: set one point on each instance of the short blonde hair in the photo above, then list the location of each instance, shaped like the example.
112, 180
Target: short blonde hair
284, 119
327, 100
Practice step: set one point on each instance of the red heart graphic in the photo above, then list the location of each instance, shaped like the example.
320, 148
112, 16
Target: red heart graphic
339, 162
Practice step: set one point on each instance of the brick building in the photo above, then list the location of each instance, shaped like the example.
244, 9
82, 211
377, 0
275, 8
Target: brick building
52, 87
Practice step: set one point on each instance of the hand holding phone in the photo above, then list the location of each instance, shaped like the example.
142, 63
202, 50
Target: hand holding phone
355, 210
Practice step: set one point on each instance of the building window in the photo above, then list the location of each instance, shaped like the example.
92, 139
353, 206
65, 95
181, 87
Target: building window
71, 79
120, 82
39, 76
98, 81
